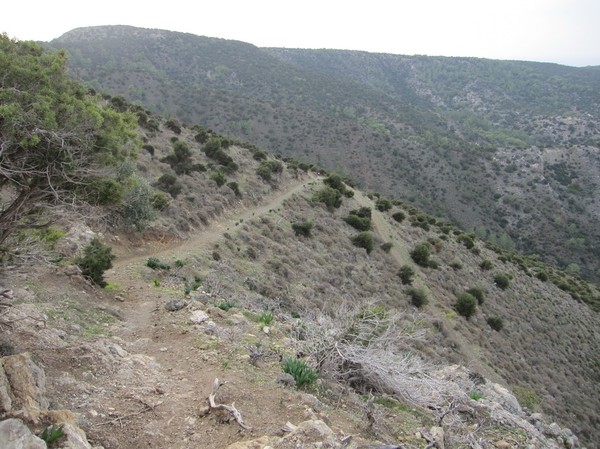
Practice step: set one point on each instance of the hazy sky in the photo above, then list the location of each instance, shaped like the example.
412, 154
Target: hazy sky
562, 31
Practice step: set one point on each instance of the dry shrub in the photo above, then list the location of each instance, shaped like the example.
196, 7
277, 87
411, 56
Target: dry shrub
370, 349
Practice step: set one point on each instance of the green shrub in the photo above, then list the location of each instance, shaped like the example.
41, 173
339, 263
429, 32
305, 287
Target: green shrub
466, 305
235, 187
137, 208
406, 274
170, 184
418, 297
467, 240
212, 145
47, 238
201, 137
225, 305
496, 323
542, 276
105, 192
266, 318
52, 434
456, 265
399, 216
259, 155
219, 178
267, 168
502, 281
364, 240
421, 253
475, 395
160, 201
192, 286
335, 182
156, 264
181, 159
302, 228
357, 222
149, 148
97, 258
486, 265
328, 196
478, 293
383, 204
363, 212
300, 371
173, 125
387, 246
213, 148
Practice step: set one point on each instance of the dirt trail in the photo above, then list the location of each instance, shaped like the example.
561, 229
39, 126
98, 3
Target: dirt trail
188, 362
216, 229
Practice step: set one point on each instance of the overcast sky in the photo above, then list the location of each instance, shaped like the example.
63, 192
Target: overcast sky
562, 31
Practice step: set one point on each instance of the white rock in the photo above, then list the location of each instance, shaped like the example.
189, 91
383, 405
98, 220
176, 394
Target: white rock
15, 435
117, 350
198, 316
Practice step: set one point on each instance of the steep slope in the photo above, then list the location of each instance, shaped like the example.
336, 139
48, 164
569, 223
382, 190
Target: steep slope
462, 138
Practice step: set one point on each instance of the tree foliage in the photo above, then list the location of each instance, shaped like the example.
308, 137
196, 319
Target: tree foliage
55, 137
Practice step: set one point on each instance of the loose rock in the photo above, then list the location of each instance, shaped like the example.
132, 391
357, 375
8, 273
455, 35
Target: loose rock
175, 305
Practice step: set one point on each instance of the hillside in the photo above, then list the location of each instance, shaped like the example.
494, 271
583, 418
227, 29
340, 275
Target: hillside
507, 149
230, 265
139, 374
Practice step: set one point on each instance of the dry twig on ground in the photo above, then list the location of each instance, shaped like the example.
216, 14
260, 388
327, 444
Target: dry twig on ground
229, 408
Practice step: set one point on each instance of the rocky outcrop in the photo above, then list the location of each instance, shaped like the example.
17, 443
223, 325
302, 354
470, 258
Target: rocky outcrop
23, 400
16, 435
22, 387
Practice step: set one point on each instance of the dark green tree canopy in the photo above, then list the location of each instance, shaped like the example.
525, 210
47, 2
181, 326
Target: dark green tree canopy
55, 137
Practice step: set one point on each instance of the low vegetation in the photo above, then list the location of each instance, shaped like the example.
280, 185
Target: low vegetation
96, 259
300, 371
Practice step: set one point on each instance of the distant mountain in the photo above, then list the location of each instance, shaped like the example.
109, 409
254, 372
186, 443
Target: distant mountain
507, 149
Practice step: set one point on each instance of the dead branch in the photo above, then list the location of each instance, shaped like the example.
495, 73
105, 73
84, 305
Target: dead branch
119, 419
229, 408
